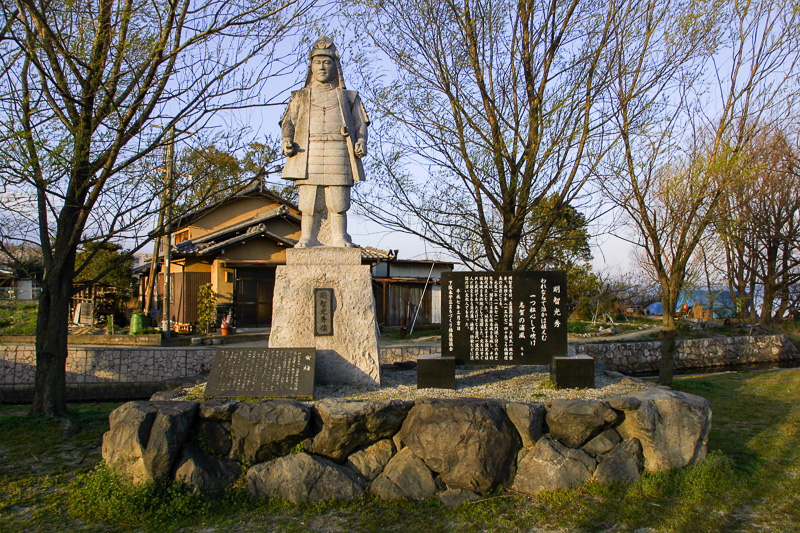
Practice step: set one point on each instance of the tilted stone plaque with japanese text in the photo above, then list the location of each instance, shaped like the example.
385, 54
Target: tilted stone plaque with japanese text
504, 318
262, 373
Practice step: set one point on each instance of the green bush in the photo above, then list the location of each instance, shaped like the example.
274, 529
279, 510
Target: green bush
206, 307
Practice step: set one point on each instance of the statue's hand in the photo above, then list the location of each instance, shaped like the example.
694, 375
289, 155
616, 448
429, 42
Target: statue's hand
288, 148
360, 148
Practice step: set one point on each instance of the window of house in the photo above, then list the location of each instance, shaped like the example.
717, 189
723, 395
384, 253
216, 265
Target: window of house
182, 236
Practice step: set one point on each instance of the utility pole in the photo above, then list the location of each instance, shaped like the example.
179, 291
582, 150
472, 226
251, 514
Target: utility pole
170, 164
151, 280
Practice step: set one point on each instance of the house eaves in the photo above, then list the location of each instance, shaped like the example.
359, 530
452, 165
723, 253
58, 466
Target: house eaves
251, 233
280, 211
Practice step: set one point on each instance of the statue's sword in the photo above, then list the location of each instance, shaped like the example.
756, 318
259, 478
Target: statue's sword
351, 151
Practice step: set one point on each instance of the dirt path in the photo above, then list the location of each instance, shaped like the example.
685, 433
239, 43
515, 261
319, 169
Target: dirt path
619, 337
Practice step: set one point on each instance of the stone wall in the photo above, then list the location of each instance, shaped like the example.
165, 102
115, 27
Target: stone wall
644, 357
457, 450
92, 366
88, 367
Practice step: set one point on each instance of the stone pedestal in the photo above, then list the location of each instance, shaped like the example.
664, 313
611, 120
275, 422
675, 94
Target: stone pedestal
348, 353
572, 372
435, 372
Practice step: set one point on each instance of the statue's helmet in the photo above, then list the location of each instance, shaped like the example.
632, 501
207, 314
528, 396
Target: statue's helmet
324, 47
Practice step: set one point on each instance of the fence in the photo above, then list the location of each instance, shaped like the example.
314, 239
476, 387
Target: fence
21, 293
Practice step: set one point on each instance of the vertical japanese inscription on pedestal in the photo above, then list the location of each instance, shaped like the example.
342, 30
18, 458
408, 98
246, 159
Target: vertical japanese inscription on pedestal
323, 312
504, 318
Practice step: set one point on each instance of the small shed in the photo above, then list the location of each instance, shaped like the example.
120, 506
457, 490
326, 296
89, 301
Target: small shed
409, 288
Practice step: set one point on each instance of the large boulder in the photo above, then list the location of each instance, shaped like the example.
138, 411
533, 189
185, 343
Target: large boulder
303, 478
210, 475
470, 443
603, 443
405, 478
212, 437
145, 437
551, 466
348, 425
218, 410
623, 464
264, 430
575, 422
528, 418
371, 461
124, 443
672, 426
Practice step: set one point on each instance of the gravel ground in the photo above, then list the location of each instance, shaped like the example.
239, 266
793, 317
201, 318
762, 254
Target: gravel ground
514, 383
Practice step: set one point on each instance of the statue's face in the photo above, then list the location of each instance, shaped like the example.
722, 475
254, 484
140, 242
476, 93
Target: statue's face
323, 69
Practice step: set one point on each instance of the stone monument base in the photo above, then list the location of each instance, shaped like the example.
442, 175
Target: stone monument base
344, 331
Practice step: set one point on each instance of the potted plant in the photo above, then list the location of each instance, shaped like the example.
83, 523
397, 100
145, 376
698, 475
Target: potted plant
226, 326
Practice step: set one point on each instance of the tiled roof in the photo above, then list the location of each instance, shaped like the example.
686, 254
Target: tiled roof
256, 189
236, 233
369, 253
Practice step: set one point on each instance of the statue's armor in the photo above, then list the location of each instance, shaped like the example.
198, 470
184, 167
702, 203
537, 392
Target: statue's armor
328, 159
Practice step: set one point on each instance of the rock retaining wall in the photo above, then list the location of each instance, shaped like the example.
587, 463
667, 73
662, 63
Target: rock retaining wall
454, 449
644, 357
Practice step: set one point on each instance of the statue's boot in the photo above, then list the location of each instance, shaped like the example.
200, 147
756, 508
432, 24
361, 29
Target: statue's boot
306, 240
339, 236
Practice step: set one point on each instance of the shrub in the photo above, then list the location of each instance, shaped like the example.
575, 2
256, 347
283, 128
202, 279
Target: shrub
206, 307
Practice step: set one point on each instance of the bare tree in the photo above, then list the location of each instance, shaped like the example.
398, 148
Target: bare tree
492, 106
670, 183
82, 83
760, 227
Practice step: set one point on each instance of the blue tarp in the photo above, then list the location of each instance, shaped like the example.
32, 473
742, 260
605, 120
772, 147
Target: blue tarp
723, 304
655, 309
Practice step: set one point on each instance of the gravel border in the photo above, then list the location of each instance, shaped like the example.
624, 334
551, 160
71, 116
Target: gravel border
503, 383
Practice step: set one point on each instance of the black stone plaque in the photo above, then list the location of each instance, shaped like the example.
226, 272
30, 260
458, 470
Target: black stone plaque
573, 372
504, 318
323, 312
434, 372
262, 373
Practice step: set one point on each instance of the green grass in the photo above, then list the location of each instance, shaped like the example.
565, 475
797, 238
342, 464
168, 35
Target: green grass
749, 482
17, 318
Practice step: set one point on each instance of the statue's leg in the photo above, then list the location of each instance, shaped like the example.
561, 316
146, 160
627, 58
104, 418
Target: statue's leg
337, 199
306, 202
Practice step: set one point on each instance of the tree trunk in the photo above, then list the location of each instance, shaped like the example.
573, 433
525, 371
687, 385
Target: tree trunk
51, 343
768, 303
666, 368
